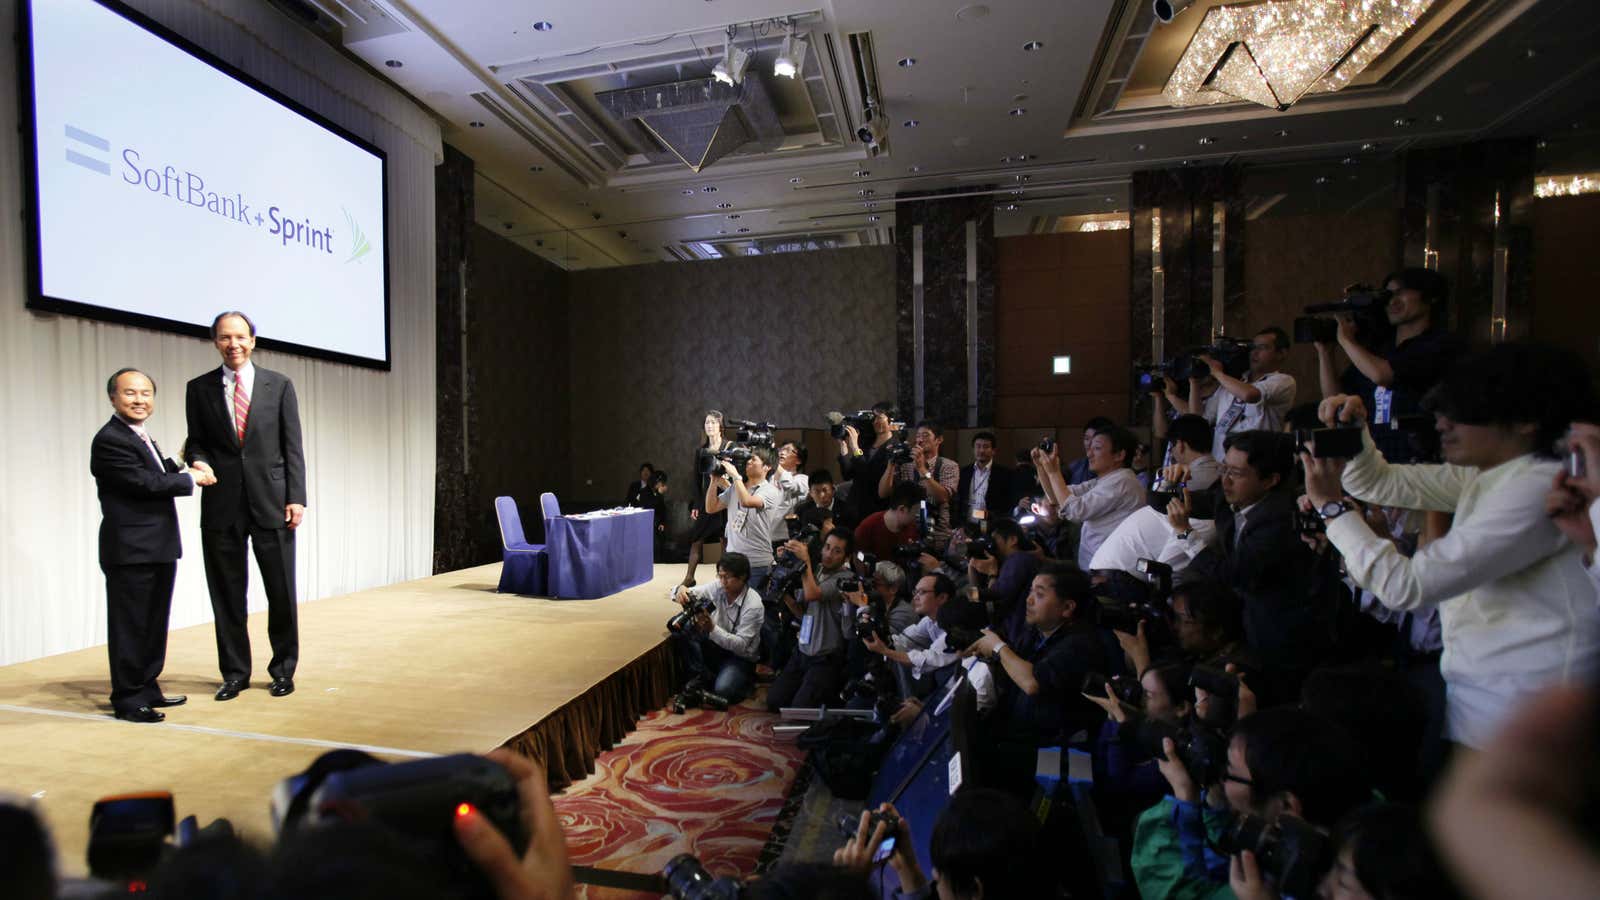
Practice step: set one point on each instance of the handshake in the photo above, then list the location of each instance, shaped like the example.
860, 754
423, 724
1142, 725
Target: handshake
201, 472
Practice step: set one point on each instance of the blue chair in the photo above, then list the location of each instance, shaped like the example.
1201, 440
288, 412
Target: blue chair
525, 565
552, 509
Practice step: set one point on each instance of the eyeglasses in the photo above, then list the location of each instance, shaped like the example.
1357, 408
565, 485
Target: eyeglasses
1234, 472
1229, 776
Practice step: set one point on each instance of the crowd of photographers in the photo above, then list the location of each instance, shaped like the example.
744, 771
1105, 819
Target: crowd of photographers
1339, 649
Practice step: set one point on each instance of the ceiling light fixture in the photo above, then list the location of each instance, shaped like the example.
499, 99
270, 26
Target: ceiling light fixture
1206, 141
914, 169
791, 56
724, 205
710, 189
866, 192
744, 231
874, 218
393, 63
907, 63
474, 124
796, 180
1033, 45
1274, 54
861, 173
687, 192
543, 26
735, 59
733, 215
1018, 111
536, 168
910, 123
1567, 185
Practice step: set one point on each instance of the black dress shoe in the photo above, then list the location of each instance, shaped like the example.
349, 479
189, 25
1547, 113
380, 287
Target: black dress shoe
231, 689
142, 714
281, 687
173, 700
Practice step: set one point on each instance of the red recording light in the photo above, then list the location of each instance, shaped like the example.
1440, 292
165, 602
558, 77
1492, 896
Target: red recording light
463, 810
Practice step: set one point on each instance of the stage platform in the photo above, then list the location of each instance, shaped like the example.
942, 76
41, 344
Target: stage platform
438, 665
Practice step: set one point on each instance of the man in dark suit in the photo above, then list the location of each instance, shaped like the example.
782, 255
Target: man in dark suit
987, 488
1286, 588
245, 422
139, 544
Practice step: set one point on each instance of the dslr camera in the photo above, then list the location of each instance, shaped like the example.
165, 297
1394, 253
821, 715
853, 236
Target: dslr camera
687, 879
1202, 750
1223, 688
980, 547
1126, 689
1343, 442
683, 621
1292, 854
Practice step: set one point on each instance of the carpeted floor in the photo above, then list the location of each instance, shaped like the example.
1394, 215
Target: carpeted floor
713, 784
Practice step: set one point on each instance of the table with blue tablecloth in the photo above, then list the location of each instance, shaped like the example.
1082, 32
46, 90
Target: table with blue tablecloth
599, 553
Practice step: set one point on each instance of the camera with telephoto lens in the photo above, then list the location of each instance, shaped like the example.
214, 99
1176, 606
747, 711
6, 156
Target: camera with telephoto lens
908, 554
848, 585
683, 621
1292, 853
687, 879
1223, 688
1125, 616
1202, 503
1202, 750
692, 697
849, 824
1126, 689
419, 800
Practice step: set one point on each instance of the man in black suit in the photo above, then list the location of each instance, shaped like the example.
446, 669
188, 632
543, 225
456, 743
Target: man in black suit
1286, 588
987, 489
139, 544
244, 421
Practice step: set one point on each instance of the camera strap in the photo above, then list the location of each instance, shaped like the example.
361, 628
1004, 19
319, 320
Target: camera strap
626, 881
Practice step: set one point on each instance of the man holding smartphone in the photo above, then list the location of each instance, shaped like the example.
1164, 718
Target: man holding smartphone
813, 676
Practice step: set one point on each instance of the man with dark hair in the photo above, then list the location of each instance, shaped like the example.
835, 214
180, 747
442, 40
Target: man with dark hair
812, 676
1392, 377
938, 476
139, 544
1146, 533
819, 497
880, 533
1285, 587
719, 649
1280, 762
1047, 671
864, 468
791, 483
244, 423
1079, 471
1101, 503
1004, 578
1258, 401
985, 490
753, 504
638, 488
920, 650
1517, 609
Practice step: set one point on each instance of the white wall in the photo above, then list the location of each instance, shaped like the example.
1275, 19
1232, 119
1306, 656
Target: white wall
369, 435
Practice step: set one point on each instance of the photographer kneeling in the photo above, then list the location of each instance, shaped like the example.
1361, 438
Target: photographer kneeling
1517, 609
721, 637
812, 676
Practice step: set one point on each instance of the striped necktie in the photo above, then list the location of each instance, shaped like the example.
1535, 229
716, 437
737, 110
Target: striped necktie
241, 406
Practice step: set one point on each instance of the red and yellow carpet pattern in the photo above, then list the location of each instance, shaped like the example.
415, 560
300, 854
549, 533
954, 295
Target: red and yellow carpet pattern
708, 783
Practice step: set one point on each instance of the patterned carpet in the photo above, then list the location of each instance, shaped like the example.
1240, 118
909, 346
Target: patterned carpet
712, 784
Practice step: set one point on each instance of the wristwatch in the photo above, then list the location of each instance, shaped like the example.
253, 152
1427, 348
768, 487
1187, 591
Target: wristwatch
1333, 509
1184, 534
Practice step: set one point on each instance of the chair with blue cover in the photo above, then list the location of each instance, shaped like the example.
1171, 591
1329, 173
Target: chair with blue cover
525, 565
552, 509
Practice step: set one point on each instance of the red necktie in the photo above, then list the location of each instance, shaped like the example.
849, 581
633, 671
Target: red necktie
241, 407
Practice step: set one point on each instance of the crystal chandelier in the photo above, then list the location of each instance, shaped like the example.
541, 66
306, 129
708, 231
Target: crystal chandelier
1277, 51
1567, 186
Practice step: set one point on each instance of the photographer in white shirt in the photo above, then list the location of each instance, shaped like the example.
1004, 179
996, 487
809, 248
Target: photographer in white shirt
1517, 608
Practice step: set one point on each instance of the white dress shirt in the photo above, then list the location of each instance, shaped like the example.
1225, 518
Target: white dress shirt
1234, 415
1101, 504
150, 443
247, 375
923, 643
1594, 560
978, 490
1517, 610
977, 674
735, 622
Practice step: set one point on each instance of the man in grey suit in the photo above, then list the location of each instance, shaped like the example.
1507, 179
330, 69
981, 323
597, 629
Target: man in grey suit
244, 422
139, 544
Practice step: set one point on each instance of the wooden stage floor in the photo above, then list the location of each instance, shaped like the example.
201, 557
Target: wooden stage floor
438, 665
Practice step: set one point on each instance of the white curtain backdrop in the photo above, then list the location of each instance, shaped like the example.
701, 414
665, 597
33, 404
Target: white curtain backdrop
369, 434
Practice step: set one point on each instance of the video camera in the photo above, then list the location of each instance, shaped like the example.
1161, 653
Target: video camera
758, 434
1343, 442
1292, 854
1359, 301
683, 621
1233, 353
1202, 750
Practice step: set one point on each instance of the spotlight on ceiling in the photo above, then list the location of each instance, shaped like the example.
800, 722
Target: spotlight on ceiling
735, 59
1166, 9
791, 57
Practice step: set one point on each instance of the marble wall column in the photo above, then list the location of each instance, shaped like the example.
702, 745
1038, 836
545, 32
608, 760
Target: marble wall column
1202, 222
453, 547
957, 254
1468, 213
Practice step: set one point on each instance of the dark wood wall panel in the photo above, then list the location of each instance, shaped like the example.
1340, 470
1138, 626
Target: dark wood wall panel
1566, 271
